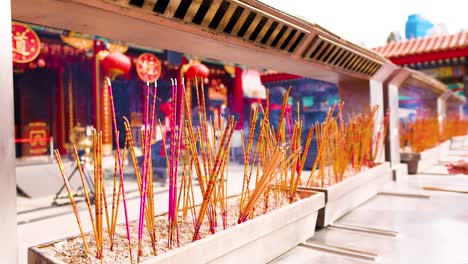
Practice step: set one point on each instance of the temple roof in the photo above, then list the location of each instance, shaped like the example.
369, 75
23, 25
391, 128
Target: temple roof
441, 44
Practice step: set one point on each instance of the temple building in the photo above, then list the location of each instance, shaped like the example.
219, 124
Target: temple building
60, 76
444, 57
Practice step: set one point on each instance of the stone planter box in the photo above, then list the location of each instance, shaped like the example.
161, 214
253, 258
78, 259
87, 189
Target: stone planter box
444, 149
418, 162
458, 142
258, 240
344, 196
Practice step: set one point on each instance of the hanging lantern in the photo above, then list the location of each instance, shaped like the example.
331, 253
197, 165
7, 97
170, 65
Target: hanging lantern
197, 70
116, 64
113, 64
252, 84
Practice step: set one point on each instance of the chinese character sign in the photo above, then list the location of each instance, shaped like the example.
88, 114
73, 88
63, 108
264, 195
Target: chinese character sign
26, 43
148, 67
36, 136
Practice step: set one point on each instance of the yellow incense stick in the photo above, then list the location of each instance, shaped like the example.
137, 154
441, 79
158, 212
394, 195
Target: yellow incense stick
72, 200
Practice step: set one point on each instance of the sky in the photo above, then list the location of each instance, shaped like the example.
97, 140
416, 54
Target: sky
369, 22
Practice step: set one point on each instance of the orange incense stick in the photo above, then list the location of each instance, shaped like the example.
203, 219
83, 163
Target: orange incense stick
72, 200
85, 188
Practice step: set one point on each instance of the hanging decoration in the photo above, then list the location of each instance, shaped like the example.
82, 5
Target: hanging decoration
113, 64
26, 43
230, 69
148, 67
116, 64
252, 84
77, 42
193, 71
86, 42
197, 70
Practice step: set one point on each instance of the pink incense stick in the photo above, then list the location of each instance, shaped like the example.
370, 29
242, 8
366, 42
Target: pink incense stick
144, 171
176, 138
120, 165
179, 137
147, 157
176, 120
145, 123
289, 122
171, 165
151, 125
172, 125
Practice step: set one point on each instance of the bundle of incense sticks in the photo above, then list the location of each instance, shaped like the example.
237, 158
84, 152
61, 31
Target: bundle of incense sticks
120, 166
149, 212
297, 168
422, 133
98, 187
215, 170
186, 197
146, 175
342, 146
100, 201
453, 126
332, 156
291, 173
459, 126
276, 158
144, 183
209, 141
264, 182
176, 118
117, 190
364, 129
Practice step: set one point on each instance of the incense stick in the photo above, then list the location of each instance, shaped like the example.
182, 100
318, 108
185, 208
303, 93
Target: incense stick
85, 188
119, 158
72, 200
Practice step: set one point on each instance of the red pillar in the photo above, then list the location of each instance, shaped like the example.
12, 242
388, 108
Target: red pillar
102, 111
60, 114
98, 46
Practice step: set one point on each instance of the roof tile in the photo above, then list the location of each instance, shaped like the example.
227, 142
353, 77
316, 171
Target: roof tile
424, 45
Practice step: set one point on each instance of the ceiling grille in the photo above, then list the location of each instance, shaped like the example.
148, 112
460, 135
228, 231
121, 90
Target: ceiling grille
229, 17
328, 52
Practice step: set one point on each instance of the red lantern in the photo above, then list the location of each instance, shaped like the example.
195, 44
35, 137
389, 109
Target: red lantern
197, 70
115, 64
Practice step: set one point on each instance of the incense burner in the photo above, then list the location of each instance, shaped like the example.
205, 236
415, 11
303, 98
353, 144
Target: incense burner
418, 162
258, 240
412, 160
